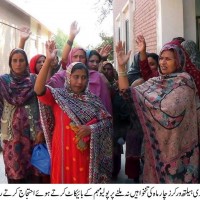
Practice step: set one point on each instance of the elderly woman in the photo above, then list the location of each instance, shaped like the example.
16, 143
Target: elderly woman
82, 133
167, 107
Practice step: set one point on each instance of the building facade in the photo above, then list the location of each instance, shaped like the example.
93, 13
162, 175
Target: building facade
11, 19
158, 20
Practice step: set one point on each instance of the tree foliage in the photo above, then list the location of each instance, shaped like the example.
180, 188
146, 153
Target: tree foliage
103, 7
106, 40
60, 39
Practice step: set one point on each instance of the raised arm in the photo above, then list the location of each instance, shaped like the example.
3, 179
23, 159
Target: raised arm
122, 60
74, 30
43, 74
105, 51
141, 44
145, 68
24, 35
143, 63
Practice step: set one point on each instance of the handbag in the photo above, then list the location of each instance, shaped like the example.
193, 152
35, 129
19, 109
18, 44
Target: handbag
41, 158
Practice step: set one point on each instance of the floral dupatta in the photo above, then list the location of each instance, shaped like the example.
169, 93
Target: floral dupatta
170, 125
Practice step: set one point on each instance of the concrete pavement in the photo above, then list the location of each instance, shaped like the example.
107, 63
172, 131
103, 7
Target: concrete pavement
3, 178
122, 178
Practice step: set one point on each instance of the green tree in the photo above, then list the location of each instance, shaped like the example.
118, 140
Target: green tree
60, 39
106, 40
103, 7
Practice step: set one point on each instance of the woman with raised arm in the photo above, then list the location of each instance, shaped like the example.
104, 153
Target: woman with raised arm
69, 55
168, 110
97, 81
37, 61
148, 61
81, 143
120, 115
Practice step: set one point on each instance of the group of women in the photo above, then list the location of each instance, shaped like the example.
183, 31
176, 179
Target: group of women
81, 137
76, 115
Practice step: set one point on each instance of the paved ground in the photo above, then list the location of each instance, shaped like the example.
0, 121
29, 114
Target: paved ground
122, 178
3, 178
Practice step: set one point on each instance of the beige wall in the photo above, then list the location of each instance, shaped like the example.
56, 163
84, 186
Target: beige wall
9, 17
38, 38
189, 20
170, 21
12, 18
117, 7
142, 20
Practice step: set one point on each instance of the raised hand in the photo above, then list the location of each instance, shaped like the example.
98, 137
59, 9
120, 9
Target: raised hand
51, 51
122, 58
105, 51
141, 44
74, 29
45, 71
25, 32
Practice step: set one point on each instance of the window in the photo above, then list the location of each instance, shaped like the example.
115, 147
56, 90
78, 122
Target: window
127, 39
127, 35
119, 35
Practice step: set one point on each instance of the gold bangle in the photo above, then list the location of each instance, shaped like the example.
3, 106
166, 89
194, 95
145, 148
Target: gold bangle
122, 73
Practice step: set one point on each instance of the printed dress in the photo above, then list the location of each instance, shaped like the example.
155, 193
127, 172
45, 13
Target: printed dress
170, 123
20, 122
